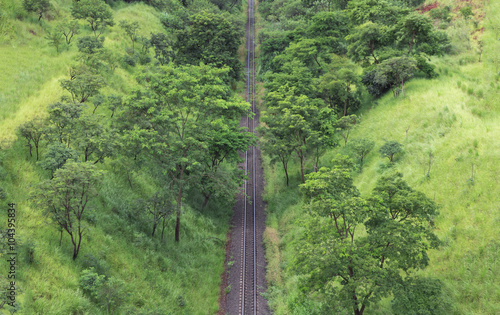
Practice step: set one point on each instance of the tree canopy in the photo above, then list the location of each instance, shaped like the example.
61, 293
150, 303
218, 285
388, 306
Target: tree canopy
357, 269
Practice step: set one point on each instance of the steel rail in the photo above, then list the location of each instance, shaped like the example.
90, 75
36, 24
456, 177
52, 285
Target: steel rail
250, 97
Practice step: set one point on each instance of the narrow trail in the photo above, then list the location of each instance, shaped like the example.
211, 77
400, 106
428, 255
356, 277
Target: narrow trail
247, 275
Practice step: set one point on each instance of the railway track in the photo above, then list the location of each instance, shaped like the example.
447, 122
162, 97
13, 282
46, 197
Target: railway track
248, 287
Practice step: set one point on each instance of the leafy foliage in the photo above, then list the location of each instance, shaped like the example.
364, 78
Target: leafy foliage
64, 198
39, 7
356, 270
390, 148
96, 12
213, 39
171, 119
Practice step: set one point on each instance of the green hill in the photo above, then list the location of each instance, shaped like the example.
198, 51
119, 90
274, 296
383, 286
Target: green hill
455, 120
151, 275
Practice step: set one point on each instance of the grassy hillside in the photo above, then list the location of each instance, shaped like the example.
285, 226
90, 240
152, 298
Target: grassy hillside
159, 277
456, 119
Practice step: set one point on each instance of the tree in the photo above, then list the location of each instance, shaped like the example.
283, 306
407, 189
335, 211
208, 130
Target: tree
394, 72
109, 293
33, 131
276, 146
92, 54
162, 47
340, 86
83, 83
54, 38
326, 5
114, 102
130, 29
62, 117
361, 148
159, 207
64, 198
93, 138
89, 45
390, 148
381, 12
68, 29
225, 139
171, 117
212, 39
40, 7
96, 12
56, 156
344, 126
422, 296
365, 40
353, 270
414, 28
305, 123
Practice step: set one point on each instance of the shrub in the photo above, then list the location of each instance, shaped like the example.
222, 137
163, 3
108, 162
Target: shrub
373, 87
130, 60
425, 67
441, 13
90, 282
89, 261
466, 12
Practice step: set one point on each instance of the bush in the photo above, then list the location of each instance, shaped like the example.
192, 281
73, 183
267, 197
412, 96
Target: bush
90, 282
28, 249
425, 67
441, 13
466, 12
372, 86
89, 261
176, 20
420, 296
130, 60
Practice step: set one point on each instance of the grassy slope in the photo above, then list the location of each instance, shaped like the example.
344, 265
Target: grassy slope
164, 277
448, 117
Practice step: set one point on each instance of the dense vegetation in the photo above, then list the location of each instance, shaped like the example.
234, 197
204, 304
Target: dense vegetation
372, 129
119, 141
119, 148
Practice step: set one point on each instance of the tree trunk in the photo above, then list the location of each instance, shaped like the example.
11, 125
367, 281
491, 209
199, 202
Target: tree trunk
301, 156
205, 202
179, 200
285, 167
36, 147
411, 42
372, 46
60, 239
77, 248
154, 228
162, 228
29, 145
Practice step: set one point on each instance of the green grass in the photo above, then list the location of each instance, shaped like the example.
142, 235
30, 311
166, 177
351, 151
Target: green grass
461, 127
